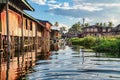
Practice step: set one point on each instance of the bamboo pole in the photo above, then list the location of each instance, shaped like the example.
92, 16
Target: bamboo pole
8, 40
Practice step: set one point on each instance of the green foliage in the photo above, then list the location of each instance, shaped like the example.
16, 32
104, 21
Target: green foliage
76, 41
86, 42
98, 44
110, 24
89, 41
62, 29
56, 24
107, 46
75, 27
87, 24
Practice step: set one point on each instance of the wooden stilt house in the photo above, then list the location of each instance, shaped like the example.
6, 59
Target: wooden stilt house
46, 34
55, 34
22, 27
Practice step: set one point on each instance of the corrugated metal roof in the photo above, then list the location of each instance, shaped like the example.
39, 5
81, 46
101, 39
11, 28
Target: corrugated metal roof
45, 21
23, 4
28, 5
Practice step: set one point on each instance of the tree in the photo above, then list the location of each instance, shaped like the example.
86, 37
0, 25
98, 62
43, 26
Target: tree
97, 24
110, 24
62, 29
101, 24
104, 24
56, 24
86, 24
76, 27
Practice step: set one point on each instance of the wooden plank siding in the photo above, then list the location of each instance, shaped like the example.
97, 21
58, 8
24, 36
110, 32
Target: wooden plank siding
15, 28
26, 34
23, 28
15, 24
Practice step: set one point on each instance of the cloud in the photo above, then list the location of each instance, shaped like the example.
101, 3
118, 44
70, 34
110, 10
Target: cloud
96, 1
87, 8
55, 6
102, 4
78, 4
93, 10
40, 2
52, 1
64, 25
66, 6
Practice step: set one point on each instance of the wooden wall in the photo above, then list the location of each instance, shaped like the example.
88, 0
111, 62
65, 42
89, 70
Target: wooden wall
15, 24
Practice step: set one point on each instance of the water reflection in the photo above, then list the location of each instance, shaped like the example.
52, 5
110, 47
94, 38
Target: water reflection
16, 65
60, 63
74, 63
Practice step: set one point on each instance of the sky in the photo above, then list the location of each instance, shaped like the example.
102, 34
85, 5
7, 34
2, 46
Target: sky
68, 12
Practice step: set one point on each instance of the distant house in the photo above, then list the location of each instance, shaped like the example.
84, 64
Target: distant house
116, 30
46, 34
55, 33
47, 28
95, 30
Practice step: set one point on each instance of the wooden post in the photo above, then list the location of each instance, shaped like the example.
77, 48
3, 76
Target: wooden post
8, 40
36, 40
22, 33
1, 53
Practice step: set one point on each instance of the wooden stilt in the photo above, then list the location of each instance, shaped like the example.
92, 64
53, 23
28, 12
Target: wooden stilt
8, 41
0, 65
22, 33
36, 40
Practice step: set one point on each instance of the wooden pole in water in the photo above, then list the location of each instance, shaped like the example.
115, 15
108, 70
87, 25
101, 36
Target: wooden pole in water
1, 53
8, 40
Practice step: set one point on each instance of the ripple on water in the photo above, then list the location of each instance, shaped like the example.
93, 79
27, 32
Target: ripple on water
70, 65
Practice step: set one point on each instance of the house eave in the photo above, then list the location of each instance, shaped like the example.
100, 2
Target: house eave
28, 5
23, 4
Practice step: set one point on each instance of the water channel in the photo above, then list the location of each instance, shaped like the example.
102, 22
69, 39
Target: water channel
61, 62
74, 63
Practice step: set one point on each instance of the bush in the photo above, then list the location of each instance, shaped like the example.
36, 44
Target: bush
98, 44
89, 41
86, 42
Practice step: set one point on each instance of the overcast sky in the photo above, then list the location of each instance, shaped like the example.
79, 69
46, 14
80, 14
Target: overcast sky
70, 11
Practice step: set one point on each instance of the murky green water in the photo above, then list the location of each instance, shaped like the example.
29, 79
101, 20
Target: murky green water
70, 63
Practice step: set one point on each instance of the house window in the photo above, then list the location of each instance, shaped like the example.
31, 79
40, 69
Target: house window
87, 30
104, 30
95, 29
91, 29
109, 30
30, 25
